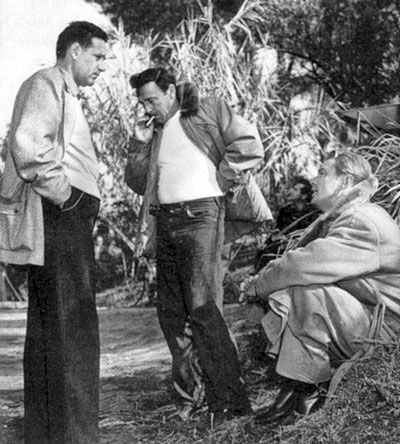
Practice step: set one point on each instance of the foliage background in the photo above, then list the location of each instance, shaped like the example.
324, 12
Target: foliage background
288, 66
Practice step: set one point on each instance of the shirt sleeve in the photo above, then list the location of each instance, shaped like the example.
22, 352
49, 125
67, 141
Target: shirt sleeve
350, 249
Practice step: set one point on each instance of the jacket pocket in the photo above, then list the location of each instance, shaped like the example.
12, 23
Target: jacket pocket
15, 204
17, 220
11, 208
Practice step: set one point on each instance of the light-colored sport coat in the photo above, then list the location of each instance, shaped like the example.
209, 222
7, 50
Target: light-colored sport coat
42, 124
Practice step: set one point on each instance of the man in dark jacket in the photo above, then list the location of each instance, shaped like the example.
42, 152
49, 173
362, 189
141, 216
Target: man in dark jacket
298, 214
185, 154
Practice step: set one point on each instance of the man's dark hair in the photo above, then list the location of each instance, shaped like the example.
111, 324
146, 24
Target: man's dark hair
160, 76
80, 32
307, 187
186, 93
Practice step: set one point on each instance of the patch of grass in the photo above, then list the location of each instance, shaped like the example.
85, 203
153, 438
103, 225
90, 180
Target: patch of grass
365, 410
141, 407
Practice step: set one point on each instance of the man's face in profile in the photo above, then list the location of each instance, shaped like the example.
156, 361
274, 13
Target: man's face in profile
326, 186
89, 62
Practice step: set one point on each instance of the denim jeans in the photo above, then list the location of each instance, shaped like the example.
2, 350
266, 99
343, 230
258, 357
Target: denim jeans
61, 356
189, 284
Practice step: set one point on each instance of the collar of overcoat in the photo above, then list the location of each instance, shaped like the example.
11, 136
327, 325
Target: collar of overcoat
362, 192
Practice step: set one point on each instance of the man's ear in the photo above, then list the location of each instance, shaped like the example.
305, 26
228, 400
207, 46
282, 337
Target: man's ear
171, 91
75, 49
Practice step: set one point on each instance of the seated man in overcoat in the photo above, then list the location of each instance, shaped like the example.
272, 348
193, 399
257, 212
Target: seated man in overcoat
321, 295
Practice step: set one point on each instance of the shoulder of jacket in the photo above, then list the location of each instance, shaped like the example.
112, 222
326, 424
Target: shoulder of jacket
211, 101
211, 107
370, 210
50, 76
366, 214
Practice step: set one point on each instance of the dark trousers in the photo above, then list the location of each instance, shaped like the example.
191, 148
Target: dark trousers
61, 356
189, 284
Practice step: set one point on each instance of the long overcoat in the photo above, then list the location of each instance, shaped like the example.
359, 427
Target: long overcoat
322, 293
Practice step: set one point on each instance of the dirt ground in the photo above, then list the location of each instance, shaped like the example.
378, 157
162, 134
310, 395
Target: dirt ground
135, 365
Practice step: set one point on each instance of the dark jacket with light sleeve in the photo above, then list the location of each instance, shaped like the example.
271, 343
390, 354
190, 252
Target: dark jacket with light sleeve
231, 142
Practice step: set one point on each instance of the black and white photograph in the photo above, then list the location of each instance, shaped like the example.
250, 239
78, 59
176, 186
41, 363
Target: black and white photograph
199, 221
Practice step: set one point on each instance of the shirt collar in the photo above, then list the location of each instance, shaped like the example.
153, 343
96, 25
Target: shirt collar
71, 86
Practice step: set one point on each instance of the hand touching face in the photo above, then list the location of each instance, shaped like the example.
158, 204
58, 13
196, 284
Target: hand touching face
156, 102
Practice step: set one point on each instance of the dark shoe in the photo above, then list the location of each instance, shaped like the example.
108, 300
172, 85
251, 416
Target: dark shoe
296, 397
285, 404
309, 401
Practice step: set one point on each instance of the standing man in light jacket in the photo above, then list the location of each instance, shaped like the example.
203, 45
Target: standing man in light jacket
49, 199
184, 161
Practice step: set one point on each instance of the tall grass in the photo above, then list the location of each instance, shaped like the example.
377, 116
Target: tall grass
110, 108
235, 60
384, 155
232, 59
